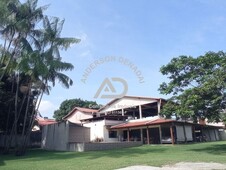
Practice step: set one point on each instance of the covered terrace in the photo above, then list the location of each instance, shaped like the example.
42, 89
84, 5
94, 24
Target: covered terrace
168, 131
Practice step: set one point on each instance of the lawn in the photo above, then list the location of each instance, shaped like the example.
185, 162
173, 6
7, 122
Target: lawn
155, 155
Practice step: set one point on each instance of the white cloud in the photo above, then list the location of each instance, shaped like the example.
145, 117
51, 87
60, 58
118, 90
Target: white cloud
85, 53
85, 47
47, 108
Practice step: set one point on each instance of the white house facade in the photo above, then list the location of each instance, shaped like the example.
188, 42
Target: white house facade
132, 119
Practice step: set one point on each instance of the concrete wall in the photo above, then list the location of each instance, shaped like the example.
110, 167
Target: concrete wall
12, 141
55, 136
33, 141
81, 147
79, 134
58, 136
78, 115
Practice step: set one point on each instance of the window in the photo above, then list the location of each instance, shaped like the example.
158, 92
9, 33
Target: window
112, 134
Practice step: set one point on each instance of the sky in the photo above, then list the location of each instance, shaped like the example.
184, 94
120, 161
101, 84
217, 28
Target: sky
125, 42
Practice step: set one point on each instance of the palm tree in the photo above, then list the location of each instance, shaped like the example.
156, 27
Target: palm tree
51, 64
47, 65
19, 33
20, 30
32, 58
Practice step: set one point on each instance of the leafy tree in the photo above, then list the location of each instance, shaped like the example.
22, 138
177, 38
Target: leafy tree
67, 105
30, 62
197, 86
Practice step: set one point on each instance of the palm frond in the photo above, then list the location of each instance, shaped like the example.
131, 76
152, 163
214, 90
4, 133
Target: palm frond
64, 80
65, 43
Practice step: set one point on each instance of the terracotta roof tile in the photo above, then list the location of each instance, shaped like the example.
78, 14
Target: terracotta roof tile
142, 123
81, 109
43, 122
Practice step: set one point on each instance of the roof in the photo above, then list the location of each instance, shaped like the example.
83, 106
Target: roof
81, 109
142, 123
131, 97
106, 117
43, 122
156, 122
219, 124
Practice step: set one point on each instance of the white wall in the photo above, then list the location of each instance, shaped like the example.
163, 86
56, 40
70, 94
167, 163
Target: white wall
96, 129
99, 129
106, 131
78, 115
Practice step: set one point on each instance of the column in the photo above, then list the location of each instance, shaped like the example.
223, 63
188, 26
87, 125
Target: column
122, 112
159, 106
140, 111
128, 135
171, 134
141, 135
194, 135
185, 136
160, 134
148, 136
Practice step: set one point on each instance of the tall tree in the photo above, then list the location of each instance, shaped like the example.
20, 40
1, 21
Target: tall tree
197, 86
18, 33
51, 43
30, 62
67, 105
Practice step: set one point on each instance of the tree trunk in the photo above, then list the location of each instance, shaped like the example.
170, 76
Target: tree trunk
21, 150
29, 129
7, 143
16, 112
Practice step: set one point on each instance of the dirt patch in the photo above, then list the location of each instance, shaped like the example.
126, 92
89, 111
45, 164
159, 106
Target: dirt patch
181, 166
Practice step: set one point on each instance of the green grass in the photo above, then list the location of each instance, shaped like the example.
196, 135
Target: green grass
156, 155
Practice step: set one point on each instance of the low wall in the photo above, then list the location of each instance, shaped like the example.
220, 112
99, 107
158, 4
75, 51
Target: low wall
82, 147
12, 140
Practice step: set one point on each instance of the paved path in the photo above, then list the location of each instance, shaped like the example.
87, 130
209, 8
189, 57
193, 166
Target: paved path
181, 166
